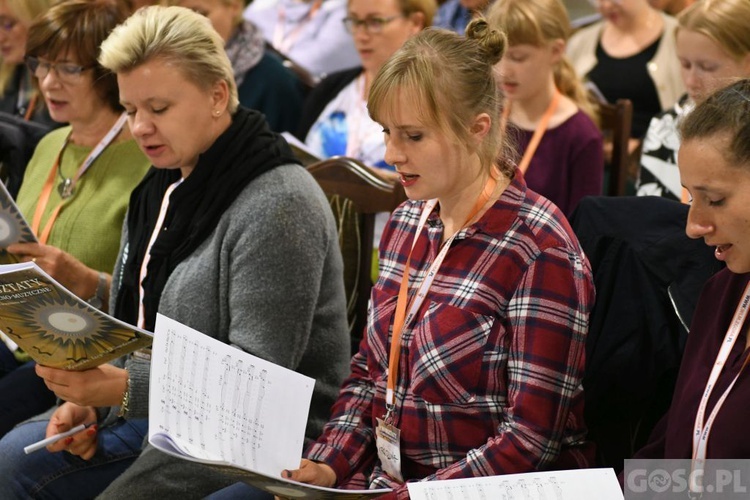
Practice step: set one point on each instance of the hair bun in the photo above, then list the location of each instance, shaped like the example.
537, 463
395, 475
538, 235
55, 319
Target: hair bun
493, 41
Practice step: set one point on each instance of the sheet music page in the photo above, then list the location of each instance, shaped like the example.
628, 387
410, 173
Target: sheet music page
218, 403
581, 484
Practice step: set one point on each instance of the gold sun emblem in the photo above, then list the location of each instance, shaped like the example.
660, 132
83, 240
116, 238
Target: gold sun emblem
61, 331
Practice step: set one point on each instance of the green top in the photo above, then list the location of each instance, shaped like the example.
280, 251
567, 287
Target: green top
89, 224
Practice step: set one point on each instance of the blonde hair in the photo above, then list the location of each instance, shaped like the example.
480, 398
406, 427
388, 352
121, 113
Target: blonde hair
451, 79
25, 11
428, 8
537, 23
726, 111
726, 22
176, 35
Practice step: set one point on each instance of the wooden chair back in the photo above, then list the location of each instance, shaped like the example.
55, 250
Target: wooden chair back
307, 79
614, 122
356, 193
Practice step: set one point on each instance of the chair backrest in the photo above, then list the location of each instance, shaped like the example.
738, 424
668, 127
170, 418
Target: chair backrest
648, 276
356, 193
18, 138
614, 121
307, 79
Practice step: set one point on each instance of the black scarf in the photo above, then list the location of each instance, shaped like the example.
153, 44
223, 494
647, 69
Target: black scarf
247, 149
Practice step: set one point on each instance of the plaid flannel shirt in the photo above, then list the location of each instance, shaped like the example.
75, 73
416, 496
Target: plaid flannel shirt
489, 379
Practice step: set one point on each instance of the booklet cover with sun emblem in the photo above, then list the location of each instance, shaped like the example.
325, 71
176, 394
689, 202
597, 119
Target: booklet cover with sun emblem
13, 227
55, 327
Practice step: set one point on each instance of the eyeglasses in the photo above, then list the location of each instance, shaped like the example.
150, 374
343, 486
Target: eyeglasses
66, 72
7, 23
371, 24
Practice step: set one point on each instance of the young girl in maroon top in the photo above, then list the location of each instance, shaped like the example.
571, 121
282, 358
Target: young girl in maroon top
545, 100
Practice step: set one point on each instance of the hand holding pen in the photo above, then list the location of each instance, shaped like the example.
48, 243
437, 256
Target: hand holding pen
67, 416
57, 437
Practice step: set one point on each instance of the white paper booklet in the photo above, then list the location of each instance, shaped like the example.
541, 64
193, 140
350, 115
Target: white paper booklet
211, 402
13, 226
579, 484
215, 404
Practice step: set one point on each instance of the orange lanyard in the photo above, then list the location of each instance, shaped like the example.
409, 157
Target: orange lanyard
68, 184
32, 105
284, 42
538, 133
400, 318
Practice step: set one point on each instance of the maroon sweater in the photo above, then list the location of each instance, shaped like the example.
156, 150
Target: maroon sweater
569, 162
672, 437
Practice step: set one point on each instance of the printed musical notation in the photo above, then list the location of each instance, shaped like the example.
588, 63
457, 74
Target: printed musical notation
580, 484
215, 403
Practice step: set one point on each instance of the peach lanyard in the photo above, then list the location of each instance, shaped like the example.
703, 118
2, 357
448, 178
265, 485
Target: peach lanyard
400, 318
47, 189
284, 42
147, 255
701, 432
538, 133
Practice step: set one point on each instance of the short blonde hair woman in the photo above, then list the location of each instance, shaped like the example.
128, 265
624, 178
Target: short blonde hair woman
208, 240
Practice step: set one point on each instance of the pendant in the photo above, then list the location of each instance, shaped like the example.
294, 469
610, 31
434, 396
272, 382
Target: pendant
65, 188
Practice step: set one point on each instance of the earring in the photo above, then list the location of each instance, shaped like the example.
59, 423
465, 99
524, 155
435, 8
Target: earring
217, 112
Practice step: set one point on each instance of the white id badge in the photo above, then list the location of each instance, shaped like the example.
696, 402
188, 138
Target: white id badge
389, 449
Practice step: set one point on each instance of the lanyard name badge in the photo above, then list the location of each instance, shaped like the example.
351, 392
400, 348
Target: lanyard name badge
66, 188
388, 436
523, 166
284, 42
702, 432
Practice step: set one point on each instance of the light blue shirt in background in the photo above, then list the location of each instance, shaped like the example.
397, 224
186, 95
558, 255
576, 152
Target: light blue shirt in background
321, 46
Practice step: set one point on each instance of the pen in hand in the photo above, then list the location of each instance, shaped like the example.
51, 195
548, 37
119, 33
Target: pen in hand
53, 439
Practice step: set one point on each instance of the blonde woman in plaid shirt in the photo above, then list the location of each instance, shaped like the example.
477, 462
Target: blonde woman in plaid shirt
485, 376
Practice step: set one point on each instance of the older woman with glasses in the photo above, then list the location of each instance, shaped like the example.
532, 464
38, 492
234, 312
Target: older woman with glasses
17, 93
77, 185
335, 119
208, 241
630, 54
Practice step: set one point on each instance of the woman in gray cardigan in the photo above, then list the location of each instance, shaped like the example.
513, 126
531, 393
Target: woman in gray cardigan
226, 235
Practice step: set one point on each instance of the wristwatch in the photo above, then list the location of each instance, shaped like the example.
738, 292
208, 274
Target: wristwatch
98, 299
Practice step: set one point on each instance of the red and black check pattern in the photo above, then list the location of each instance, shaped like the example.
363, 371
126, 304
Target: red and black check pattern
491, 368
